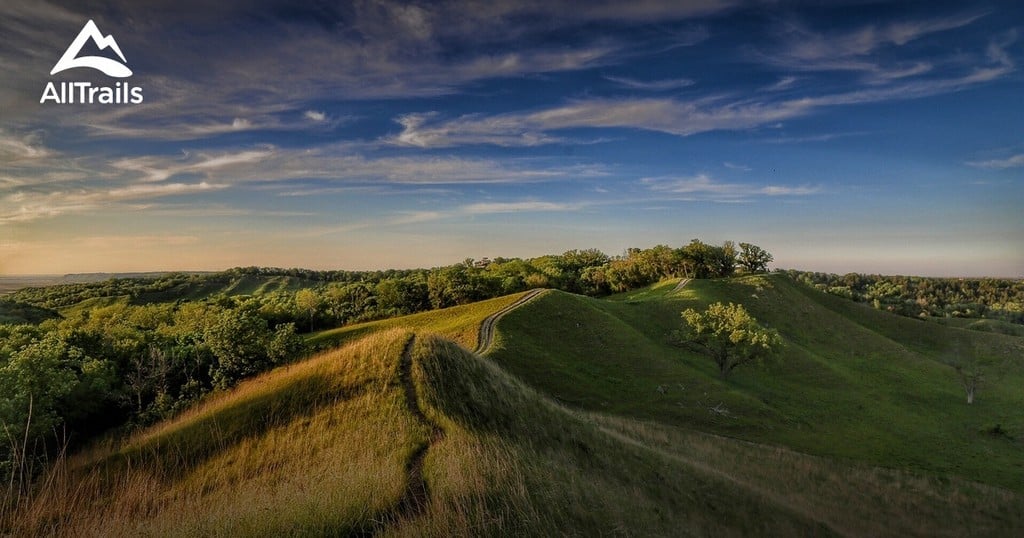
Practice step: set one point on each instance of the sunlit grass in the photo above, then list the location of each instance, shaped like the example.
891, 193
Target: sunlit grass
850, 381
323, 447
460, 324
312, 447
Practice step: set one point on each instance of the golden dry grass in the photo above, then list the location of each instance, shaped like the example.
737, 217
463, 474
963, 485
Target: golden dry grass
314, 447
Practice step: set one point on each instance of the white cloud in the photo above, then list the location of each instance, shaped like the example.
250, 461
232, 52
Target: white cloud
671, 116
314, 115
824, 137
93, 184
783, 83
677, 116
734, 166
1001, 61
1014, 161
15, 147
29, 206
516, 207
808, 50
418, 130
863, 50
651, 85
704, 187
155, 169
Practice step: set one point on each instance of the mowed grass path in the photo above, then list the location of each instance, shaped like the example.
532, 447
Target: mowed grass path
851, 382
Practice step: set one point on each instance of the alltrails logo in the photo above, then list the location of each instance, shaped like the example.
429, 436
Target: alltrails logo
85, 92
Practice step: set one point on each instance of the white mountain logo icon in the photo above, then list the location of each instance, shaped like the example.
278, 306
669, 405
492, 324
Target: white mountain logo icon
108, 66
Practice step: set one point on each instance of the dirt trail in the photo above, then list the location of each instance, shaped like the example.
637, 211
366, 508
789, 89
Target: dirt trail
416, 496
486, 336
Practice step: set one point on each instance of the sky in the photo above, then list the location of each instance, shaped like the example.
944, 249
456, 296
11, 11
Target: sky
846, 136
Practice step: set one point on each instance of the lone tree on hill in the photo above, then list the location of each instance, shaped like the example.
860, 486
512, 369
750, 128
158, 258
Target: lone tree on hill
975, 369
753, 259
308, 301
729, 334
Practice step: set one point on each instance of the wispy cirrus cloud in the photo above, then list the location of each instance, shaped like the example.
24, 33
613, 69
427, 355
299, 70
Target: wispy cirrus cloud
784, 83
671, 116
14, 147
823, 137
702, 187
104, 184
678, 116
1014, 161
155, 169
804, 49
734, 166
486, 208
214, 80
28, 206
651, 85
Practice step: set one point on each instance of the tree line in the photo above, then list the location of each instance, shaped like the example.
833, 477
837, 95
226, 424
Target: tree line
922, 297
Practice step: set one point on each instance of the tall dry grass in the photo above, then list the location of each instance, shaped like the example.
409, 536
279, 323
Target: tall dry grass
315, 447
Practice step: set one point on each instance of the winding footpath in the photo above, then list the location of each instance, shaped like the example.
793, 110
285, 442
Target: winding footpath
485, 338
416, 495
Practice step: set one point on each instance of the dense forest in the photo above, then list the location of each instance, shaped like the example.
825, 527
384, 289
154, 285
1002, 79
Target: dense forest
926, 297
88, 357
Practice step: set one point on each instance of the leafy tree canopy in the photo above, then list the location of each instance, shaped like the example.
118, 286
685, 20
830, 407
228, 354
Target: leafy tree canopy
729, 334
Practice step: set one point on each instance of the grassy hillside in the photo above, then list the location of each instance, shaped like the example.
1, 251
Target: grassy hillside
458, 323
14, 312
405, 435
583, 419
69, 296
224, 284
851, 382
984, 325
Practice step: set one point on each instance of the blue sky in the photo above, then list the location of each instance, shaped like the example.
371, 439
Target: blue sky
841, 136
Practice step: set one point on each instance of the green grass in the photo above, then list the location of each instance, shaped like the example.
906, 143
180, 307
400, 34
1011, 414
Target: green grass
983, 325
81, 308
851, 382
224, 284
18, 313
458, 323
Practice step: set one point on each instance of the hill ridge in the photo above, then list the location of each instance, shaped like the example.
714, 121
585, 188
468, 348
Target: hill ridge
429, 438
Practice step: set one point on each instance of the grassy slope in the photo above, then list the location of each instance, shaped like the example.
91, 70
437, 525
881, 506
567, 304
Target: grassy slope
984, 325
324, 446
226, 285
16, 313
852, 382
458, 323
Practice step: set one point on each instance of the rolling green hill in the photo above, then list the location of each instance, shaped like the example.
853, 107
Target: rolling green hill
582, 419
15, 313
851, 382
158, 288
